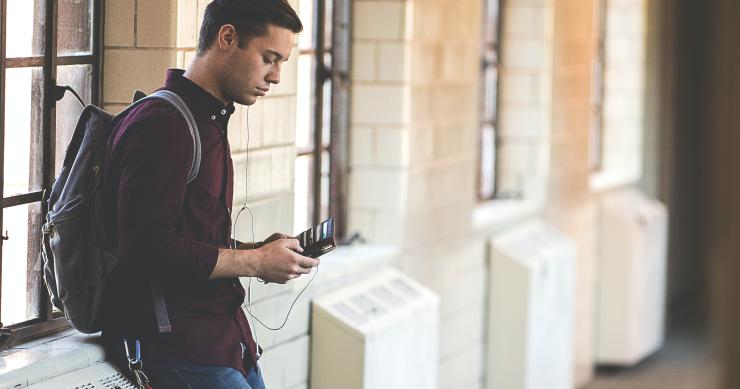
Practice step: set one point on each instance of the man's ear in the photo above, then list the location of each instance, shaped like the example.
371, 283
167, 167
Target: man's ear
227, 37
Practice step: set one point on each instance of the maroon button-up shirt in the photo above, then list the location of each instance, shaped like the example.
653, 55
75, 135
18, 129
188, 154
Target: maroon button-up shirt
168, 230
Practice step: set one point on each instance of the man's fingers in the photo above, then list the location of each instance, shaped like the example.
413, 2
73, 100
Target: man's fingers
307, 262
276, 236
293, 244
299, 270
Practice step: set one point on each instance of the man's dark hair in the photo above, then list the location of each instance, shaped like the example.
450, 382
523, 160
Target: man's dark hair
249, 17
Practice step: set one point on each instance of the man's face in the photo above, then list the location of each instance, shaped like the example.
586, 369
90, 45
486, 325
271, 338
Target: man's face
251, 69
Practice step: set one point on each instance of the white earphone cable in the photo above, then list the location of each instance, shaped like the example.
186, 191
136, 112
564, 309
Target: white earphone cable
248, 304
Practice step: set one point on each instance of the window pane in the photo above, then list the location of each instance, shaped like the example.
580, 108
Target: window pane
306, 13
79, 77
23, 102
25, 28
303, 197
490, 33
488, 162
305, 98
328, 24
490, 90
326, 115
74, 27
325, 193
20, 288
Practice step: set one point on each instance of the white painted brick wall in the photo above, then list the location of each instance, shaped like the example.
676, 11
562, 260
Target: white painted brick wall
528, 53
380, 104
392, 61
524, 102
364, 59
378, 188
166, 23
378, 20
119, 30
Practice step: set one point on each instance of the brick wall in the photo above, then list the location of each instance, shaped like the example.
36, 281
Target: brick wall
414, 130
571, 205
414, 135
380, 115
525, 99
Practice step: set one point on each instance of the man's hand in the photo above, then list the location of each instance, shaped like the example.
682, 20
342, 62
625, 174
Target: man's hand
280, 262
276, 260
275, 237
272, 238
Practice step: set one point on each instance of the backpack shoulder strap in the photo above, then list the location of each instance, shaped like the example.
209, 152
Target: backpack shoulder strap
176, 101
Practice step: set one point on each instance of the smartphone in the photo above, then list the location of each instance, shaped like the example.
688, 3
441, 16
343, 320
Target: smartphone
318, 240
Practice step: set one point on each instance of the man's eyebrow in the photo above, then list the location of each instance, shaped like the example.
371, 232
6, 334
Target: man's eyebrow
277, 55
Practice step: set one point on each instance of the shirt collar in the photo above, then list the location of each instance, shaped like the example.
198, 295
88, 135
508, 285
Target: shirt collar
203, 100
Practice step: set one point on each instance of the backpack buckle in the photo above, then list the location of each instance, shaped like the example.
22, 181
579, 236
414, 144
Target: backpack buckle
47, 229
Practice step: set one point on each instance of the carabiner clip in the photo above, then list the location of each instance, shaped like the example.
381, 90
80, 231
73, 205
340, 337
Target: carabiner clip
135, 365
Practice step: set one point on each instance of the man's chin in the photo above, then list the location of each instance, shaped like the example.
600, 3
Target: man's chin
247, 100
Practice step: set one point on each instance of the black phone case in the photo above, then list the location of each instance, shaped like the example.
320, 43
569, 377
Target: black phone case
318, 240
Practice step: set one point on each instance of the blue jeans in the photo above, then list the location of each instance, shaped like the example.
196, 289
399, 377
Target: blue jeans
166, 373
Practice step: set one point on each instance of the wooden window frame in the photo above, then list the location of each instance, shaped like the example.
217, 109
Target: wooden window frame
337, 74
48, 321
596, 128
490, 58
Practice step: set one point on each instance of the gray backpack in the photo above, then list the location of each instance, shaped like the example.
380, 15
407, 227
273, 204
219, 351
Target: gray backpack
76, 264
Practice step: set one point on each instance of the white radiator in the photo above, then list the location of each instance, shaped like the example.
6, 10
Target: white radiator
632, 277
530, 334
379, 333
98, 376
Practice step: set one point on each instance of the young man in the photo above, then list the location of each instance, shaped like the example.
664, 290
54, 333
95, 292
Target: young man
176, 234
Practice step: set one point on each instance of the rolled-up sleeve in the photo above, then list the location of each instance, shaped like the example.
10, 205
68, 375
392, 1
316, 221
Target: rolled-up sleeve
155, 155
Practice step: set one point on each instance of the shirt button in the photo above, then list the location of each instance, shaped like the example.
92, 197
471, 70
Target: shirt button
223, 112
213, 117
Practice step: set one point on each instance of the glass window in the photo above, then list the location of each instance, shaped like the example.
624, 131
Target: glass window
596, 138
321, 114
489, 100
34, 133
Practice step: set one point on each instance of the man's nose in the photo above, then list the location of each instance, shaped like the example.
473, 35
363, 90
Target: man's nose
274, 76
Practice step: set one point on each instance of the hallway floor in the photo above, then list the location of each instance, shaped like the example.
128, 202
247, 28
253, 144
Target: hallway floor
685, 362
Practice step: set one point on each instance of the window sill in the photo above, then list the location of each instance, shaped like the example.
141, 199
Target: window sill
496, 214
47, 357
606, 180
